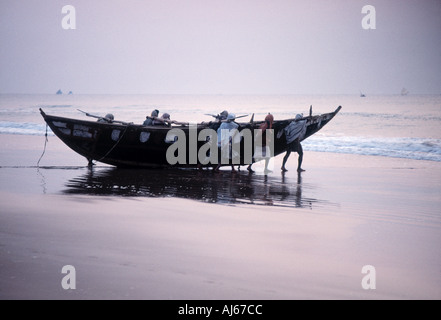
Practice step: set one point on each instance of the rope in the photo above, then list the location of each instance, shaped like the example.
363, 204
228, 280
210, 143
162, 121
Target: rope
110, 150
116, 143
44, 150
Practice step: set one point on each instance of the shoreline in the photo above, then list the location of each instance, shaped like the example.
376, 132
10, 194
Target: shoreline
15, 145
132, 241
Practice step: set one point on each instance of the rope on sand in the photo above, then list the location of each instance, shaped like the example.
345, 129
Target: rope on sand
116, 143
44, 150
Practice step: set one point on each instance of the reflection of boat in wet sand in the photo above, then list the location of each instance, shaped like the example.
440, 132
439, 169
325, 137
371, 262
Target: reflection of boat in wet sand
221, 188
130, 145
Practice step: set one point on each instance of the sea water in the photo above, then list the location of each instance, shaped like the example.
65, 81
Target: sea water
379, 125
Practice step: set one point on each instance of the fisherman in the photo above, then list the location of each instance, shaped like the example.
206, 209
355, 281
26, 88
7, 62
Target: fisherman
163, 120
222, 116
294, 133
149, 119
218, 119
224, 141
262, 151
107, 119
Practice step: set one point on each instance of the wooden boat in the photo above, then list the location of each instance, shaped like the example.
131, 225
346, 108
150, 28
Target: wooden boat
131, 145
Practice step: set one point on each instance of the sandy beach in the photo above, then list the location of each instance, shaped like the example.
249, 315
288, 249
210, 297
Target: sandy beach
278, 237
358, 83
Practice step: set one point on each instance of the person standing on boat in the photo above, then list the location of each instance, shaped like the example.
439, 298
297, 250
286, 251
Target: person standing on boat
225, 138
149, 120
294, 133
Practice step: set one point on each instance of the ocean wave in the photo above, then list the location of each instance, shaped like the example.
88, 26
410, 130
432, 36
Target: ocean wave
52, 106
408, 148
24, 128
393, 116
28, 110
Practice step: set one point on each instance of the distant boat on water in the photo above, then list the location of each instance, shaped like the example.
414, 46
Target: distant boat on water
404, 92
61, 92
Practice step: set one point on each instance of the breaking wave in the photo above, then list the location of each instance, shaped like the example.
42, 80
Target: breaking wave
25, 128
408, 148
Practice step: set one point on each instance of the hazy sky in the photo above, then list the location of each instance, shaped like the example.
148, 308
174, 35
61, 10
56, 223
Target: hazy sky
220, 47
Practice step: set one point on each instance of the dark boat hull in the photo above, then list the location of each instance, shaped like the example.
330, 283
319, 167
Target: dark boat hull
130, 145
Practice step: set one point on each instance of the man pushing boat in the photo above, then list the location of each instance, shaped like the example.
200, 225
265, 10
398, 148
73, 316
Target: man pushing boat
294, 133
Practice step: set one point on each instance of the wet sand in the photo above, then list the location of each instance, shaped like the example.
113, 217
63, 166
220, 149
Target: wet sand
178, 234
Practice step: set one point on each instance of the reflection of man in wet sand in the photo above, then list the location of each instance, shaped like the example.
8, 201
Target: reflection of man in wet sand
294, 132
